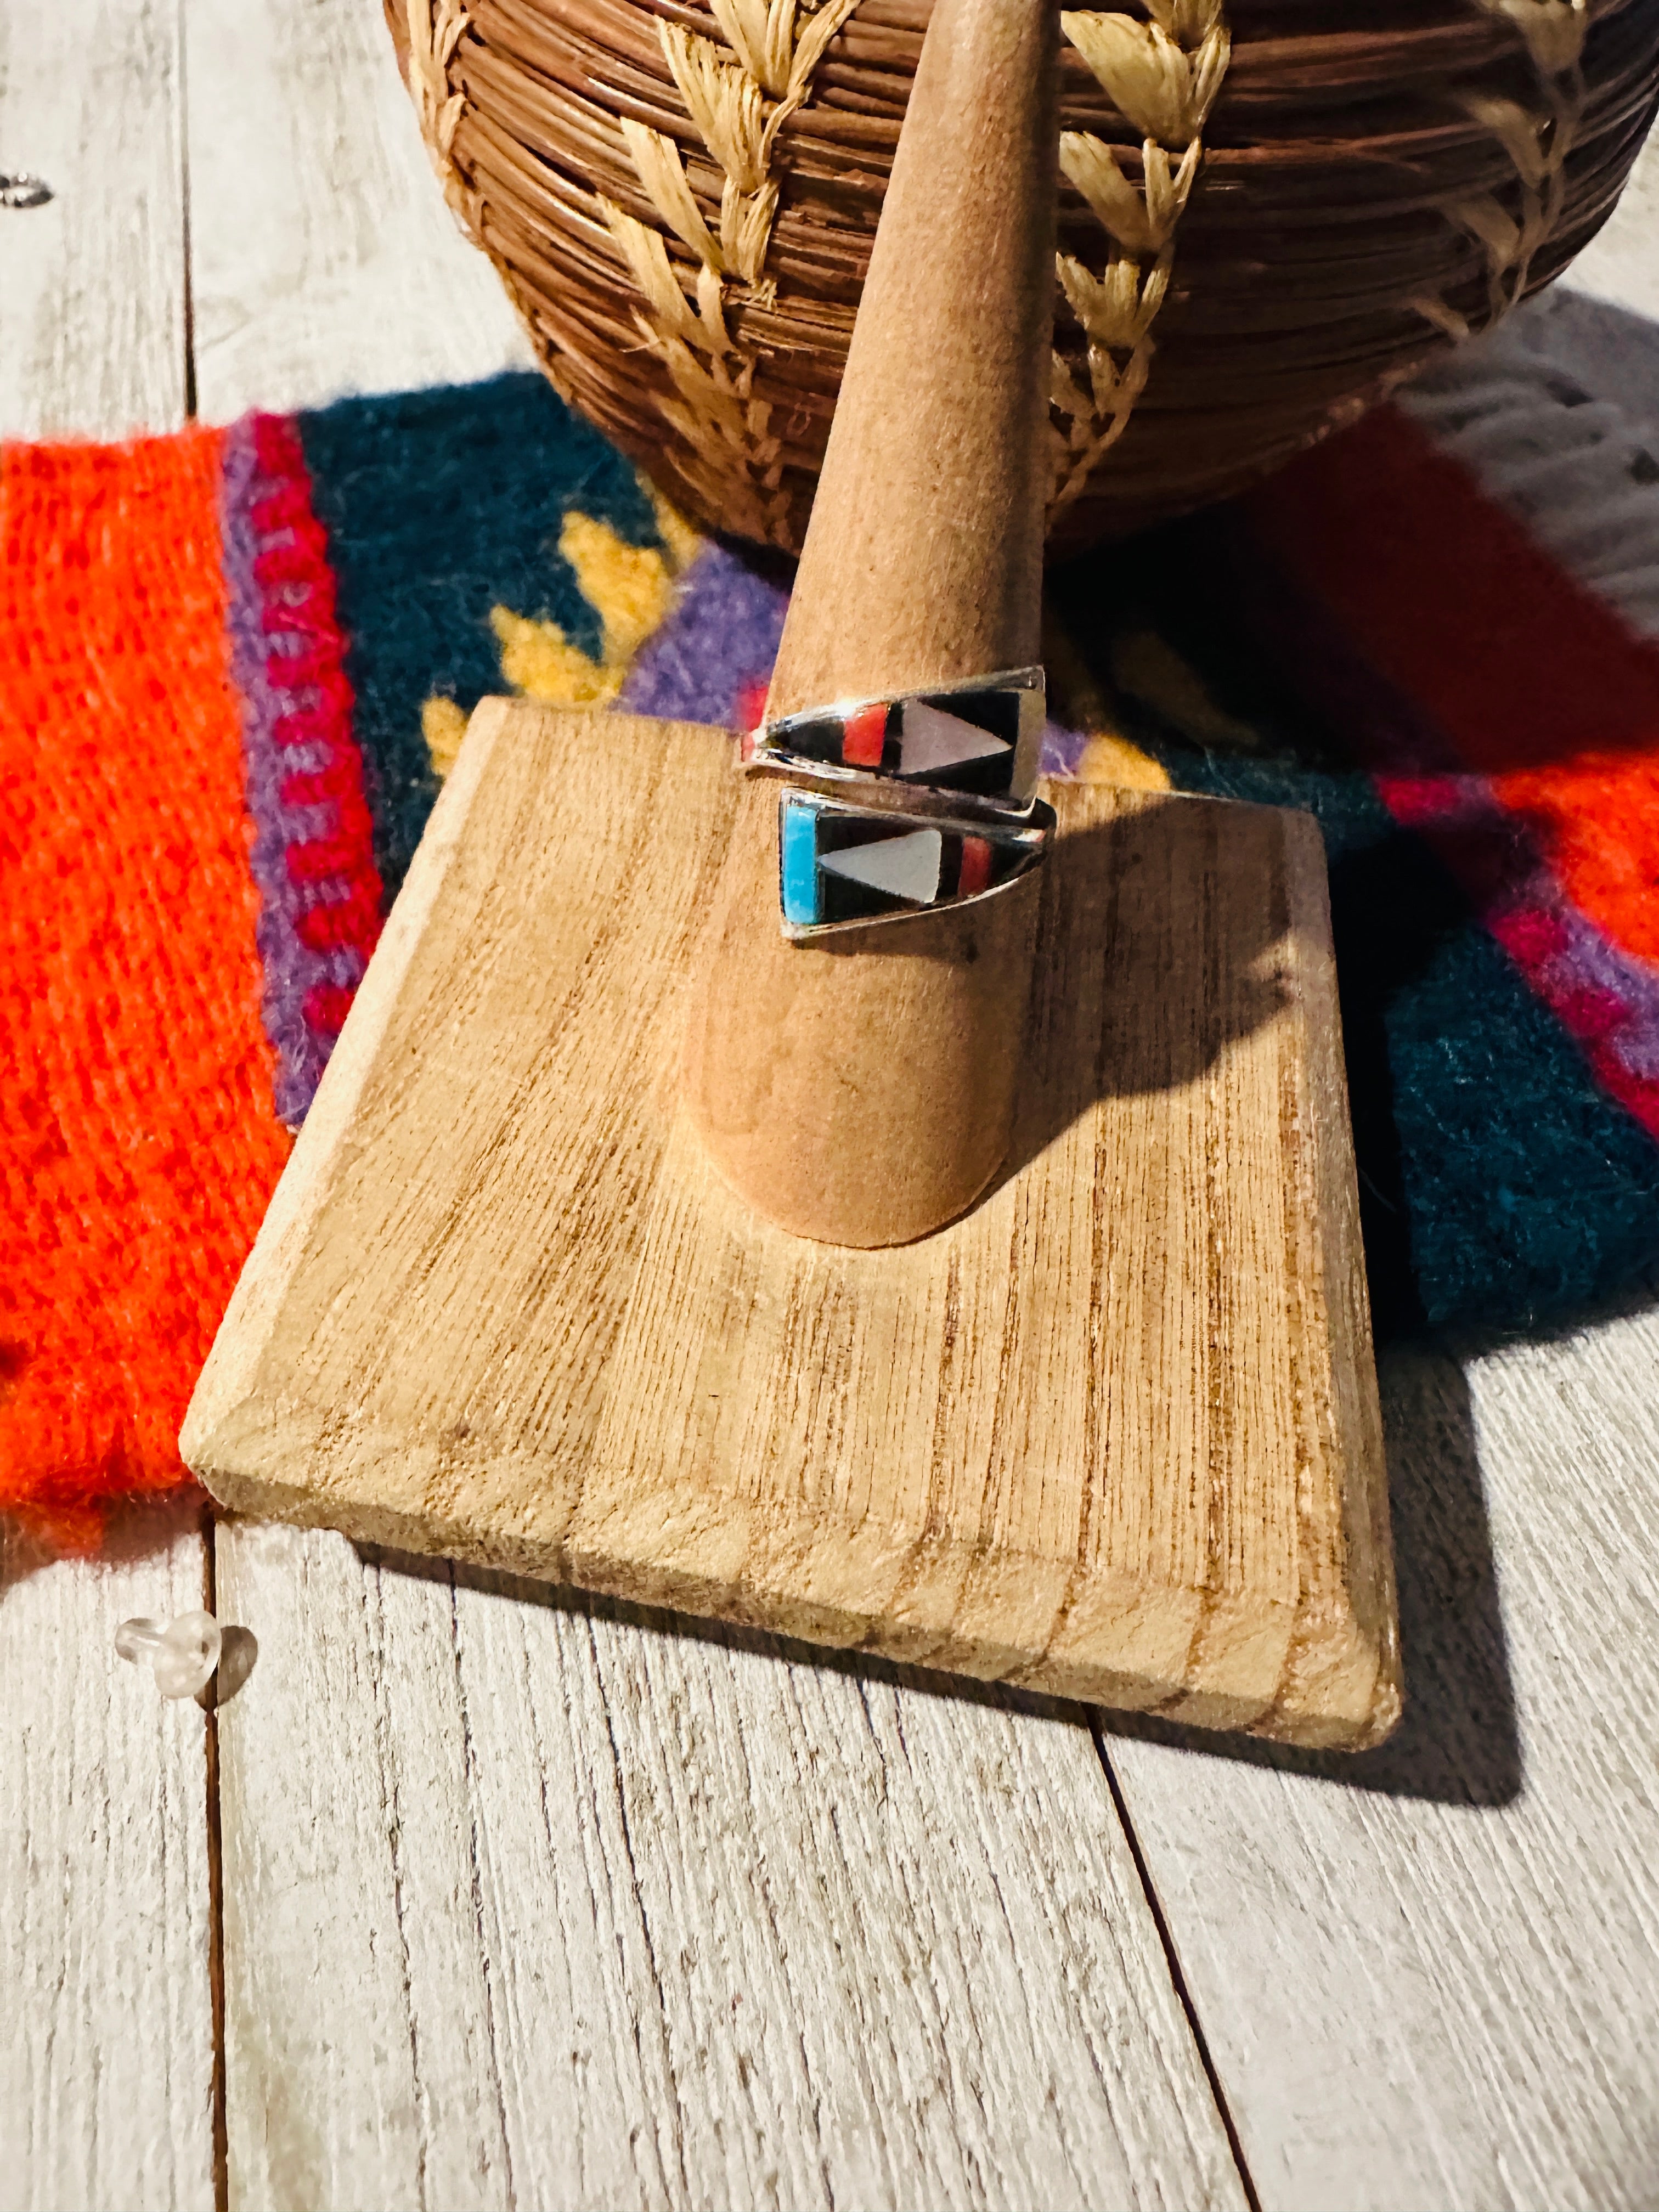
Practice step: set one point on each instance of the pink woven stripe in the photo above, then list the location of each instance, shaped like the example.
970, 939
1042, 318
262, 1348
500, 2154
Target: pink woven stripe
313, 856
1607, 999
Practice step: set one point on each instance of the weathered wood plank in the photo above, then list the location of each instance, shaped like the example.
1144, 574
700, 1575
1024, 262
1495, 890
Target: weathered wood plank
107, 2029
1444, 1987
527, 1902
92, 293
106, 2044
323, 257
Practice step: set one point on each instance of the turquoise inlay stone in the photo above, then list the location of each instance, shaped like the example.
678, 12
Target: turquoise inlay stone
797, 840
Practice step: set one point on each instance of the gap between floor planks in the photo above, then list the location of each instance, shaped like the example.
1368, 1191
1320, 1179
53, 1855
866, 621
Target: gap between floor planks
104, 1861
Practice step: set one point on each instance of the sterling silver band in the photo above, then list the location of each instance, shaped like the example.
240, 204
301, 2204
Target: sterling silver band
976, 741
845, 866
906, 802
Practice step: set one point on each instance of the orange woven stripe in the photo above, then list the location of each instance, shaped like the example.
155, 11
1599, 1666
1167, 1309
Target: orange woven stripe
137, 1143
1536, 683
1598, 820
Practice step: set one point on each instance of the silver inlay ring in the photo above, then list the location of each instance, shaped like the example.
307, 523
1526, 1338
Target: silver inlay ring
975, 741
907, 803
842, 867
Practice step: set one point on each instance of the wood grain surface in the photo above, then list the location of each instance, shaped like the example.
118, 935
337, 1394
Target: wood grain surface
107, 2034
92, 285
323, 262
1433, 1978
531, 1903
1114, 1434
106, 2047
862, 1091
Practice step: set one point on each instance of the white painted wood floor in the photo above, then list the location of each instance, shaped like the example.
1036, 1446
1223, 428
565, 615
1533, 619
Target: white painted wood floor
523, 1903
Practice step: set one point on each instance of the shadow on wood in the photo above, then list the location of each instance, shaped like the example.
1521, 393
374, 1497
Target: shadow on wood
237, 1661
135, 1530
1185, 952
1458, 1742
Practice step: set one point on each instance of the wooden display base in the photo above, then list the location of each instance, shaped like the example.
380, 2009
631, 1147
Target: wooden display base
1114, 1434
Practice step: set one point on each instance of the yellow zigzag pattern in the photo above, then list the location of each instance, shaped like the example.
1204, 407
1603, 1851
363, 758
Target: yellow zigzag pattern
629, 588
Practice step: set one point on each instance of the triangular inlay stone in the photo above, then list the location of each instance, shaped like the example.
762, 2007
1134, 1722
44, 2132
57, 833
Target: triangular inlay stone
905, 867
931, 739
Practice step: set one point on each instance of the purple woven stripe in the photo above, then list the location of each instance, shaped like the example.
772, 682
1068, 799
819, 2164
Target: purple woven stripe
1063, 749
291, 967
720, 639
1594, 959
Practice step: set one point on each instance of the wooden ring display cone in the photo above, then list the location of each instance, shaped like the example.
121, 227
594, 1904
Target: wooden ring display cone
923, 563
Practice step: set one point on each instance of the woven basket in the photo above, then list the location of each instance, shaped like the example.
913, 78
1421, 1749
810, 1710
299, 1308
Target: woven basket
1271, 211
